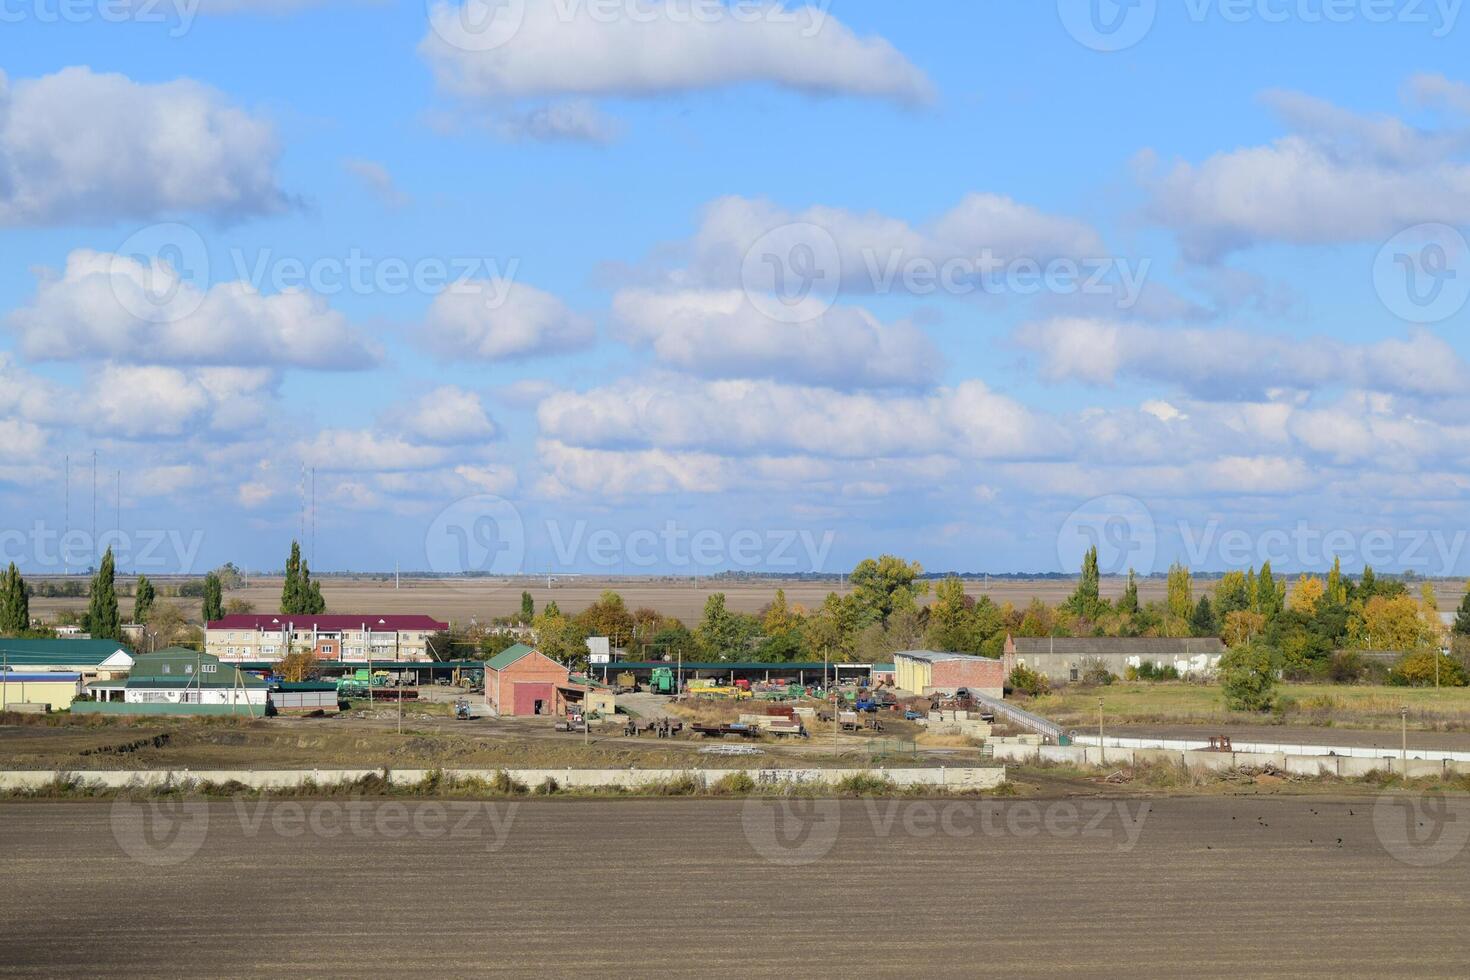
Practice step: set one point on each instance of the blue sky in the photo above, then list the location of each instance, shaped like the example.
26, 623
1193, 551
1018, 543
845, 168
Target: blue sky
592, 365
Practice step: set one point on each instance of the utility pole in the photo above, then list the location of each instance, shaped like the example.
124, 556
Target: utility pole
95, 553
1102, 752
1404, 731
66, 505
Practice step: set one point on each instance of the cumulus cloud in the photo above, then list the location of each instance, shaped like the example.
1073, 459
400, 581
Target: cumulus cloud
376, 178
82, 146
1337, 176
497, 320
1235, 364
148, 402
720, 334
754, 417
362, 450
123, 309
491, 52
447, 415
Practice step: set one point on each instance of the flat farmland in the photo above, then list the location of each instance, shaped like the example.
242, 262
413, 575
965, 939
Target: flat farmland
459, 600
1250, 886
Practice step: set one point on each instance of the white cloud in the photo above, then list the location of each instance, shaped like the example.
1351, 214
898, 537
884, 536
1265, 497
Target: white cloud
1236, 364
571, 52
359, 450
108, 306
154, 402
1338, 176
576, 121
753, 417
496, 320
78, 146
447, 415
376, 178
720, 334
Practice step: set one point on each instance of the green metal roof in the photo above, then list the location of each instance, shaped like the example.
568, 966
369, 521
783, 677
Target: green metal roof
508, 656
181, 667
59, 653
775, 668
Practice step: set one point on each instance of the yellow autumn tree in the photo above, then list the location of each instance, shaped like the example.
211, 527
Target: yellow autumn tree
1395, 623
1240, 626
1307, 593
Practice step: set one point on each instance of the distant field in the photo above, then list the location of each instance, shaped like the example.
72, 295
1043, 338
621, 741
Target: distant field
460, 600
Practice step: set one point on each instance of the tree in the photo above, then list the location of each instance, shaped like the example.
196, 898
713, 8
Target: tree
1462, 617
103, 620
528, 608
291, 589
1202, 621
1270, 594
885, 585
1087, 602
1426, 668
214, 605
15, 602
1240, 626
1336, 587
1128, 605
608, 616
724, 635
1232, 594
1308, 593
143, 595
164, 626
1181, 592
1395, 623
239, 607
1248, 677
298, 666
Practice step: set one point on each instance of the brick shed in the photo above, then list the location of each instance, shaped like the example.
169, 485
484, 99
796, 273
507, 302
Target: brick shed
931, 672
523, 681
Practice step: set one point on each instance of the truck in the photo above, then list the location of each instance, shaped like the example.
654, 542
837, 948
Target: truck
627, 683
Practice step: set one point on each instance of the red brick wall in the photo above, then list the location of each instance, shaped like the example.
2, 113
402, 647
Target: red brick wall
533, 668
985, 676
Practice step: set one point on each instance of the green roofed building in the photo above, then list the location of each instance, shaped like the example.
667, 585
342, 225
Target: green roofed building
183, 678
92, 659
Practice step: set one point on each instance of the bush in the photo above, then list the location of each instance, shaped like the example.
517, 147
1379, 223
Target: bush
1418, 670
1346, 667
1025, 681
505, 785
1248, 677
735, 784
549, 787
1096, 673
1150, 671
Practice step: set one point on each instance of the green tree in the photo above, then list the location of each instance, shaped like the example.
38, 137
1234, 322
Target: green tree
883, 586
528, 608
1248, 677
1425, 668
15, 602
291, 590
1181, 592
214, 598
1233, 594
1336, 587
608, 616
1202, 622
725, 635
1270, 594
1087, 602
1462, 616
103, 621
1128, 605
143, 595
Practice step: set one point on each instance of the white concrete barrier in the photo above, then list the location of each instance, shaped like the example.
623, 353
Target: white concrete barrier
967, 778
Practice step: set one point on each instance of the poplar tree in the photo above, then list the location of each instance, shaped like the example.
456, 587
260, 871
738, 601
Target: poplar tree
15, 602
214, 598
143, 595
103, 621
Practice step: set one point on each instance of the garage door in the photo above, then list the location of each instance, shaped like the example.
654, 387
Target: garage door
533, 699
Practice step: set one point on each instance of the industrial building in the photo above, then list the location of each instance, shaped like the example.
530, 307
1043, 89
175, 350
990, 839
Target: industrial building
93, 659
270, 638
48, 691
933, 672
303, 697
522, 681
1065, 659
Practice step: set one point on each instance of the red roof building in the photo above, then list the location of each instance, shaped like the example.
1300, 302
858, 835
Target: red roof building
340, 636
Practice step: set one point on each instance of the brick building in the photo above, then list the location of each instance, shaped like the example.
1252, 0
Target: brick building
931, 672
523, 682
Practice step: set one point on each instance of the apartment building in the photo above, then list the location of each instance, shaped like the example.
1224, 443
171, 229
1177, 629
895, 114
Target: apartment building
343, 637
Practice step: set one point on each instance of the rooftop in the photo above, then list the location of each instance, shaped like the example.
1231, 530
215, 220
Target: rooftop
508, 656
1096, 645
62, 653
939, 656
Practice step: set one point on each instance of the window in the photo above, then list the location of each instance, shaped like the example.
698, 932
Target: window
209, 668
167, 669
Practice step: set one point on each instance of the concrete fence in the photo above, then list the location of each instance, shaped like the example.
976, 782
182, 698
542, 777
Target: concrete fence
940, 778
1305, 765
1289, 748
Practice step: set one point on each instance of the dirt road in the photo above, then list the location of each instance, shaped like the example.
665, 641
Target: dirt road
1208, 887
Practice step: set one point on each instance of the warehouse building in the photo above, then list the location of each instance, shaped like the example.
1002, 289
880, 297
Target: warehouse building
525, 682
931, 672
270, 638
1066, 659
93, 659
303, 698
50, 691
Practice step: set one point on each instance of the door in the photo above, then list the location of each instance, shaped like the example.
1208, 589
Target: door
532, 698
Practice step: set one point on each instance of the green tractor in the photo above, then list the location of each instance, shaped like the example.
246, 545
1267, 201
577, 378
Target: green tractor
662, 681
